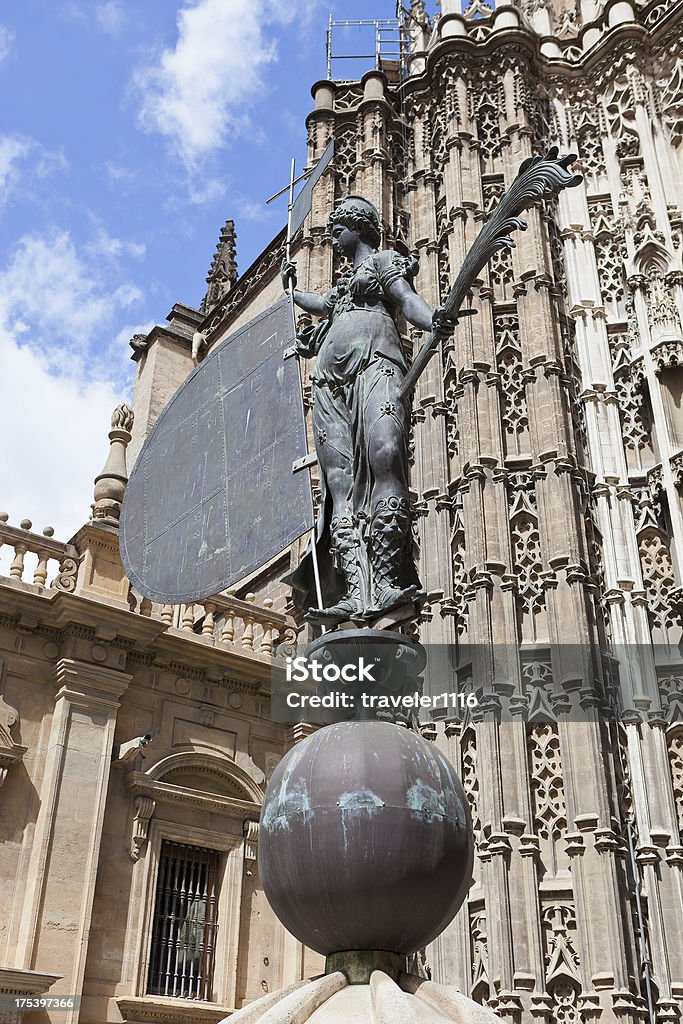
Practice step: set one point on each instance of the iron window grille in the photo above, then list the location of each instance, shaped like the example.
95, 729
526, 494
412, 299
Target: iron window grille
185, 926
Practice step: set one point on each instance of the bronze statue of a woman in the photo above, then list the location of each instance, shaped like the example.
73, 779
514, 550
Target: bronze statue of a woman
360, 424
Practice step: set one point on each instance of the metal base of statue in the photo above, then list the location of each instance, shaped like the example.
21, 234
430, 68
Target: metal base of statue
393, 684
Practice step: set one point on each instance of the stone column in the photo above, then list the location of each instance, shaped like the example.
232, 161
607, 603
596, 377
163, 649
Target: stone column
431, 463
64, 858
375, 178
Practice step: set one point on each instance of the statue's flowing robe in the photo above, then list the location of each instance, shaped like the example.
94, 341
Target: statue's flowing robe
360, 365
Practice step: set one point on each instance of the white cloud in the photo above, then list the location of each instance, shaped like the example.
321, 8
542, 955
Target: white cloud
65, 361
113, 248
59, 298
15, 169
59, 427
119, 173
249, 209
110, 17
13, 149
6, 40
198, 92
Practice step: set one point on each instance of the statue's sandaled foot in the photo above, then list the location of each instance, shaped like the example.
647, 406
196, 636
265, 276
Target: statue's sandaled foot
342, 611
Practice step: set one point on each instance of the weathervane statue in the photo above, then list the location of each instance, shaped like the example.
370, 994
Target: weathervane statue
361, 400
360, 424
373, 857
191, 534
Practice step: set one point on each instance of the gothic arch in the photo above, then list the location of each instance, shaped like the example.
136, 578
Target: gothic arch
652, 258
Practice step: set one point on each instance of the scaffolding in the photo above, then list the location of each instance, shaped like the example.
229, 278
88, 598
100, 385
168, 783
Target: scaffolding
391, 44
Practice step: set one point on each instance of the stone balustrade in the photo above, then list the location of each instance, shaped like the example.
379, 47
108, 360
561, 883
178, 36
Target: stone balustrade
224, 620
228, 620
45, 550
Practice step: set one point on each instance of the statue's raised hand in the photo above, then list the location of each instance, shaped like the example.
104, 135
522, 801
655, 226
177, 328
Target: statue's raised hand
444, 323
288, 274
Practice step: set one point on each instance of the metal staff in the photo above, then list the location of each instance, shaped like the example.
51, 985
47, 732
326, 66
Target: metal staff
314, 552
537, 178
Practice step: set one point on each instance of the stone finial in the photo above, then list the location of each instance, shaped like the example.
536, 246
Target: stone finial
111, 483
223, 271
122, 418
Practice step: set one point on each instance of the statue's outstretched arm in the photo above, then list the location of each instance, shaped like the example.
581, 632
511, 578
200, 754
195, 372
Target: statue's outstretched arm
310, 301
414, 308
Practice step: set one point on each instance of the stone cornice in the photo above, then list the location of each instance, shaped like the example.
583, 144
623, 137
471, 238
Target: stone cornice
17, 981
152, 1009
90, 685
140, 784
37, 610
525, 43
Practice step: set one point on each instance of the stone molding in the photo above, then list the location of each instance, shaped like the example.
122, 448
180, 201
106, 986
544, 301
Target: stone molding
153, 1009
21, 982
16, 981
90, 685
152, 786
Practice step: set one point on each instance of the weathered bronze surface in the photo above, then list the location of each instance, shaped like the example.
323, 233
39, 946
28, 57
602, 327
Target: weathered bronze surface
365, 840
360, 425
212, 495
362, 388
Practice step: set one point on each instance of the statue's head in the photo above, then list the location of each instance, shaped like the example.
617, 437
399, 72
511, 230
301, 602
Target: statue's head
360, 215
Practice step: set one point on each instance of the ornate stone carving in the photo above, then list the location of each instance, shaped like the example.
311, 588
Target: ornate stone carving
609, 256
487, 117
546, 781
460, 581
563, 982
620, 112
481, 986
537, 681
526, 550
345, 158
144, 809
589, 137
470, 781
671, 102
668, 354
11, 752
222, 274
139, 343
501, 275
658, 577
662, 310
512, 387
676, 761
632, 395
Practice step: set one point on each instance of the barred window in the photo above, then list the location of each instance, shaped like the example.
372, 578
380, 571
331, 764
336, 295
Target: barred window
185, 925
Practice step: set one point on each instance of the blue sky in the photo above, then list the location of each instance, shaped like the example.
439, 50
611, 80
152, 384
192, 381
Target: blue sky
130, 130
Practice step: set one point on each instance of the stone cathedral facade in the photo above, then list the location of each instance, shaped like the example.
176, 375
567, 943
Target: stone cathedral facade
547, 477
